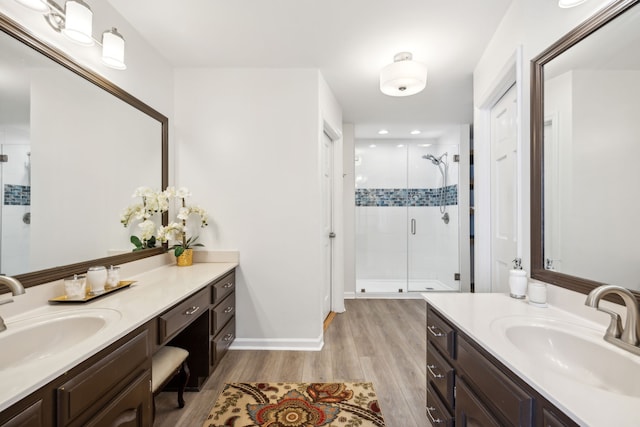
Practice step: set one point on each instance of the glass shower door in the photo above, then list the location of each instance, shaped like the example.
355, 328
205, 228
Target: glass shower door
432, 186
381, 217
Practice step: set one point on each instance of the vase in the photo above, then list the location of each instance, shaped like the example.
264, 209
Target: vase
186, 258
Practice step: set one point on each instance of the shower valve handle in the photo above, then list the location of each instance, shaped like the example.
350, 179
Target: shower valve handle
413, 226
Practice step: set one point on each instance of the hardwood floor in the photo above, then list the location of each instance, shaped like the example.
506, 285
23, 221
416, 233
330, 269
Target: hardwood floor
381, 341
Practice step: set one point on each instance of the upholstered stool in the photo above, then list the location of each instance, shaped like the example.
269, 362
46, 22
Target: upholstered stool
166, 364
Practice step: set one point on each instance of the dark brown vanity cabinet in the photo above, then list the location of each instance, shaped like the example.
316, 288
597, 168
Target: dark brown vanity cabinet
111, 388
204, 325
466, 386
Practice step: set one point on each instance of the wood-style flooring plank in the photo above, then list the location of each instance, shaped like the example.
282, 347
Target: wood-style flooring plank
381, 341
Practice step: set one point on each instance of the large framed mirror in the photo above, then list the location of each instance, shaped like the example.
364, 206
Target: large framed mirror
74, 147
585, 154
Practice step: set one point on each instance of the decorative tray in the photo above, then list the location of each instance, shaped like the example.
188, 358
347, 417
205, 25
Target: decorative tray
91, 296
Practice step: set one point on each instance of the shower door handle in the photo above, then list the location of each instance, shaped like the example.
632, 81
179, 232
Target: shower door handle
413, 226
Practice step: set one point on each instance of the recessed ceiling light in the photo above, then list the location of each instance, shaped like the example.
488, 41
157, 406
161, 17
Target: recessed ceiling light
372, 146
383, 132
400, 145
424, 145
415, 132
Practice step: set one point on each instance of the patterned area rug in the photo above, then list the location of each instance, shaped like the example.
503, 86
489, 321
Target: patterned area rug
296, 405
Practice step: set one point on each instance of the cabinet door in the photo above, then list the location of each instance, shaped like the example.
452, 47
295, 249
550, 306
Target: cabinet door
131, 408
470, 412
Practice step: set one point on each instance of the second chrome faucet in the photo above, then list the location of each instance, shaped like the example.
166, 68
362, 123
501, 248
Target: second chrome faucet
625, 337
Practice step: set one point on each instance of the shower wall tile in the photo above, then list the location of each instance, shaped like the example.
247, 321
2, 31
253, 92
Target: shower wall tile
400, 197
17, 195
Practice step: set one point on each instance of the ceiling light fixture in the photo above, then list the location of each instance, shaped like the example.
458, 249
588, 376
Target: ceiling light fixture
383, 132
78, 23
415, 132
565, 4
75, 23
403, 77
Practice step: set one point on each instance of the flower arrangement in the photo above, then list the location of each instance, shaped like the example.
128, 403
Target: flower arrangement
157, 202
152, 203
177, 230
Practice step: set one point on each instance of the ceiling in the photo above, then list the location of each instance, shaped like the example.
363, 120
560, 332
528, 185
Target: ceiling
348, 40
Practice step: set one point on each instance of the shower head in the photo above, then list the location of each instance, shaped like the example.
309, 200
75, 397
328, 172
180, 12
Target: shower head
432, 158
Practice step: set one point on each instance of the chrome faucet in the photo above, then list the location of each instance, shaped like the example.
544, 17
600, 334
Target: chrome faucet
16, 289
624, 337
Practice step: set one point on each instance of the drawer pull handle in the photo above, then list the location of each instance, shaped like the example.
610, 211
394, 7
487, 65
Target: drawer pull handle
228, 285
228, 337
430, 368
228, 310
192, 310
433, 420
434, 333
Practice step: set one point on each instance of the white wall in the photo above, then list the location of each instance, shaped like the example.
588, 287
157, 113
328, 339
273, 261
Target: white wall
249, 150
531, 25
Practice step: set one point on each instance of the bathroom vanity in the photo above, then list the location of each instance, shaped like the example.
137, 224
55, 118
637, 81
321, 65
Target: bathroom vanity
496, 361
105, 379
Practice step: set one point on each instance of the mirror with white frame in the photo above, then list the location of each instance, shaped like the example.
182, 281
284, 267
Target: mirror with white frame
585, 149
74, 149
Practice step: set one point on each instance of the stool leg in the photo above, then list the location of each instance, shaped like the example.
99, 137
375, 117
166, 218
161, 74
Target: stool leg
183, 378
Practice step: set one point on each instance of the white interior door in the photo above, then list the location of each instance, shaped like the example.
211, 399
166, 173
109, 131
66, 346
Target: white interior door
504, 144
327, 221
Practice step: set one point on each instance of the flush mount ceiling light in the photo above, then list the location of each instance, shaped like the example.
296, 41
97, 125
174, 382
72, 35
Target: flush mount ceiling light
565, 4
383, 132
416, 132
75, 22
403, 77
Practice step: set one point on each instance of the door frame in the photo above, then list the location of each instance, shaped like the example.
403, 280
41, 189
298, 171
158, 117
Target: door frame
337, 252
511, 73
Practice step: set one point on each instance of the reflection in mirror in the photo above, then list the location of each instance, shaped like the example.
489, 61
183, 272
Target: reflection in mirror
74, 148
585, 151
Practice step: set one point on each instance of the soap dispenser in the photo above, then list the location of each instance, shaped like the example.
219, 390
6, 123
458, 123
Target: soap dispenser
517, 280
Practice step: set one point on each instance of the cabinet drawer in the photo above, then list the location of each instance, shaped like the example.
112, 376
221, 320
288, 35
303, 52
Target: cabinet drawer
92, 388
221, 313
440, 333
221, 342
437, 412
440, 375
223, 287
508, 399
177, 318
470, 411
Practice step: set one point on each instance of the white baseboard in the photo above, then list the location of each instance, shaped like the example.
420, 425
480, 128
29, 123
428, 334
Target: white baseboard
294, 344
349, 295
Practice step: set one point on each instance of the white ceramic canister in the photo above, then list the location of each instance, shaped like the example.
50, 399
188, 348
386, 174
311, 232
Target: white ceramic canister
538, 294
96, 279
517, 283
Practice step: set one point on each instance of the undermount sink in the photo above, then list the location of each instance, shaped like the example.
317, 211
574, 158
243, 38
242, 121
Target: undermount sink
43, 336
578, 353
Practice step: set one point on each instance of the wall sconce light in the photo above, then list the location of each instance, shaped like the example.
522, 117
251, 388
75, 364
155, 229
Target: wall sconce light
403, 77
76, 23
565, 4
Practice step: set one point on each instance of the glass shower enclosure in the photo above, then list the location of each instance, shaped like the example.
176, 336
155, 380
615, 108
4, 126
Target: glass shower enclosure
407, 216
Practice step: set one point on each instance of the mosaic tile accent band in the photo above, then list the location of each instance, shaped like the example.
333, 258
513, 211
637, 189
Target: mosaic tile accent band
17, 195
400, 197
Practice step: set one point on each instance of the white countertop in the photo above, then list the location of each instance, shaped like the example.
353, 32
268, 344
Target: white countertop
475, 314
154, 292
